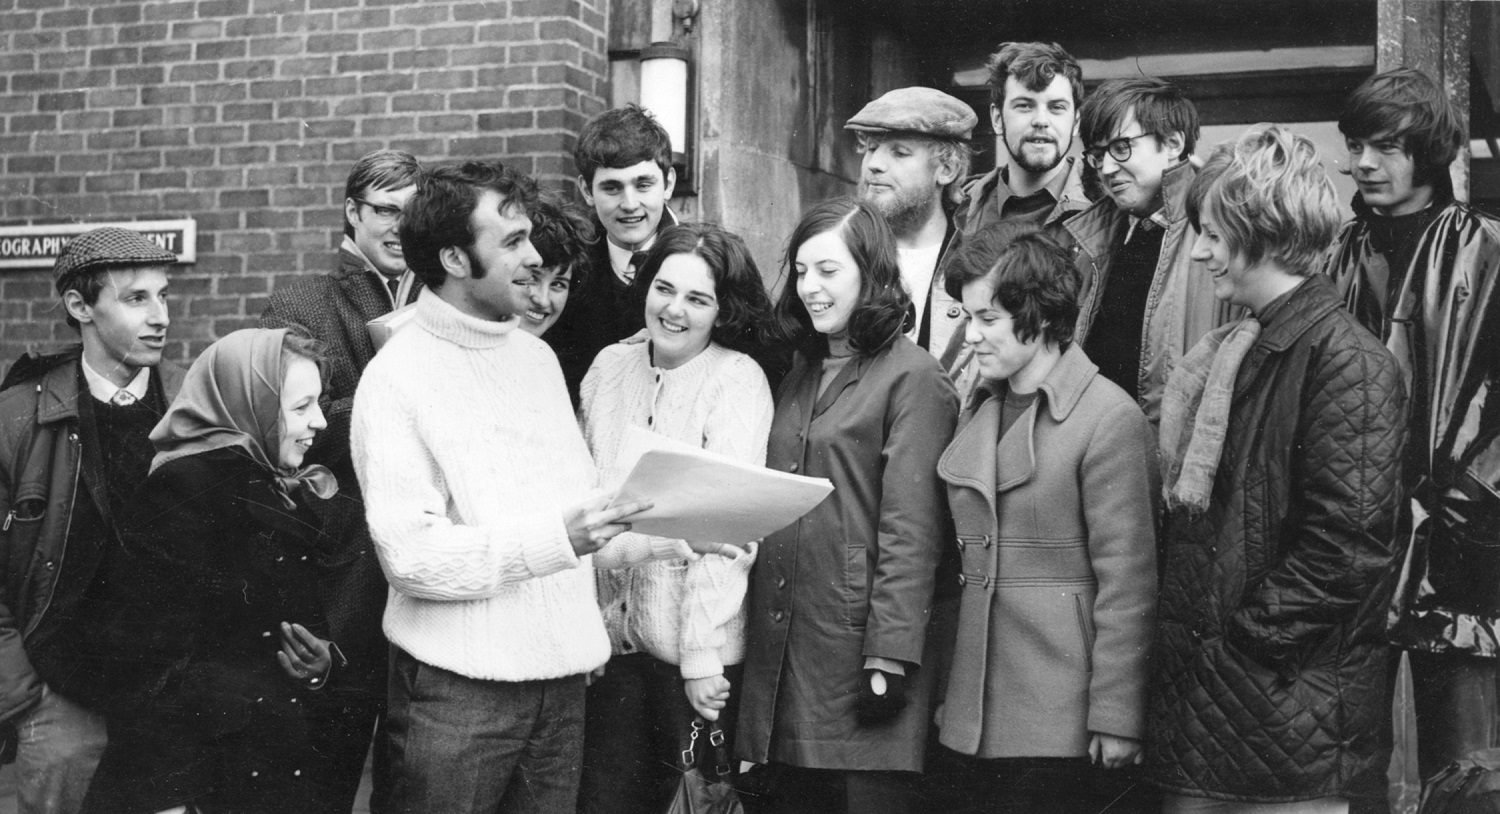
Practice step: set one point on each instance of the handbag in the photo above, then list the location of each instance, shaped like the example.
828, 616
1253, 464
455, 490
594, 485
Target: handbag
697, 793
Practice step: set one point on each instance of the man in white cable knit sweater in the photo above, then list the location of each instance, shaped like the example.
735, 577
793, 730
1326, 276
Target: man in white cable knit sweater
479, 495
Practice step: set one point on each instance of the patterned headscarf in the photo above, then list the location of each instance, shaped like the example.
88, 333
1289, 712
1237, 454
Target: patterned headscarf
231, 397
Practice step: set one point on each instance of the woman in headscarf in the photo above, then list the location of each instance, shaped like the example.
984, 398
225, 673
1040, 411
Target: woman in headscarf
1281, 452
218, 630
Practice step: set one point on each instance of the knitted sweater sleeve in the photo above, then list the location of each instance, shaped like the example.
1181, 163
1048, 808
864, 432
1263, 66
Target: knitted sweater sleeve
739, 423
424, 553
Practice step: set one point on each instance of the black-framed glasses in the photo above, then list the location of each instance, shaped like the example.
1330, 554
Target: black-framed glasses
1119, 150
382, 213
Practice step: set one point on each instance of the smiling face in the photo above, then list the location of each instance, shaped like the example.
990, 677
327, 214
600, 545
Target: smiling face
125, 329
902, 179
629, 201
1384, 172
301, 416
998, 352
828, 281
540, 298
1135, 183
376, 219
502, 254
1037, 126
1233, 281
681, 309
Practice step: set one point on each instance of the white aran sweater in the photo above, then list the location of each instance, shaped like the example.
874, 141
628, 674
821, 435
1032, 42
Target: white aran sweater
468, 454
685, 612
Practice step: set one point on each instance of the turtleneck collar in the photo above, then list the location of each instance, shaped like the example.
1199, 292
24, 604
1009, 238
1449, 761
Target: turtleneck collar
447, 322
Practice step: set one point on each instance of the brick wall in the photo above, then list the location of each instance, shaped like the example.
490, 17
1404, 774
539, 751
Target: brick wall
247, 114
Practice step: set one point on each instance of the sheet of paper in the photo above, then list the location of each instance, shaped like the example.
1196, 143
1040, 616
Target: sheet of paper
706, 497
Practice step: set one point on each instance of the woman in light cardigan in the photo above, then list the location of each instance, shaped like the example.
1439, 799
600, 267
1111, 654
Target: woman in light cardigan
677, 628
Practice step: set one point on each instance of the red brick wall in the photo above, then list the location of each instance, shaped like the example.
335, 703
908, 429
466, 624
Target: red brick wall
247, 114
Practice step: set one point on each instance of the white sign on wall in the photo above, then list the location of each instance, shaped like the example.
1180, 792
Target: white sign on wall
33, 247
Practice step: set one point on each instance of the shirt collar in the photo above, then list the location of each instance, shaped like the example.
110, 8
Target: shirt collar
104, 390
403, 289
619, 259
1157, 219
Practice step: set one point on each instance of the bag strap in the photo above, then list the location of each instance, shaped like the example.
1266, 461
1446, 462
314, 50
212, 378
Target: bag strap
716, 739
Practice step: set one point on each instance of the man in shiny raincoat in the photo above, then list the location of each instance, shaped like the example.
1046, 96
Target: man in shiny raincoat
1421, 270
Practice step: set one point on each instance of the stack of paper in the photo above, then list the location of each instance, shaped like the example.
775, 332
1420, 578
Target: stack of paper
383, 327
705, 497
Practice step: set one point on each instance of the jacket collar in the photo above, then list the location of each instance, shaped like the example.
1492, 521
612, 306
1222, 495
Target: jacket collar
1284, 322
1094, 228
1070, 197
972, 458
58, 390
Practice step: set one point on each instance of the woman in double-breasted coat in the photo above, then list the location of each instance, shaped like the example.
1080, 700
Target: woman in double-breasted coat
1050, 481
840, 600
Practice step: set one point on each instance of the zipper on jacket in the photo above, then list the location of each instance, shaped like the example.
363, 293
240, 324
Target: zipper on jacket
8, 518
36, 618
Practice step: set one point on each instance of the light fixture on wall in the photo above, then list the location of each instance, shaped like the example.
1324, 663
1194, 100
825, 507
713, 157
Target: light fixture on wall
667, 90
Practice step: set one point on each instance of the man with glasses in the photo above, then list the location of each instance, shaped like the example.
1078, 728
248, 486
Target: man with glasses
1145, 302
371, 280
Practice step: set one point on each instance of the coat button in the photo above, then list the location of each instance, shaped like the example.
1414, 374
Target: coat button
778, 616
792, 468
51, 565
781, 582
953, 312
963, 580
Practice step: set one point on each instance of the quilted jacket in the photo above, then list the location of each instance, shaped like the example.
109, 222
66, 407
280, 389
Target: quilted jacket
1269, 672
1442, 325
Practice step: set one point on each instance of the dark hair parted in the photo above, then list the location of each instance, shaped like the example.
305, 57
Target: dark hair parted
1405, 105
744, 306
1158, 105
619, 138
881, 313
439, 214
382, 169
1034, 65
1033, 276
561, 234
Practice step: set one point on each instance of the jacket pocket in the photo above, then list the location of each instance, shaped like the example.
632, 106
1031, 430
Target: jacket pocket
1083, 609
856, 588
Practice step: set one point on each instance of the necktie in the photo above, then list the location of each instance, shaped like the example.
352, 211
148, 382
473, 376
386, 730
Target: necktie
637, 262
122, 398
394, 284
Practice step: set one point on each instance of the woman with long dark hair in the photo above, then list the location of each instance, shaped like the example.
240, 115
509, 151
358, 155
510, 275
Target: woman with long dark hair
835, 697
676, 627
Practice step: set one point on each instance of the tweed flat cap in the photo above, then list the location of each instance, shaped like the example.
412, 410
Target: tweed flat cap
107, 247
925, 111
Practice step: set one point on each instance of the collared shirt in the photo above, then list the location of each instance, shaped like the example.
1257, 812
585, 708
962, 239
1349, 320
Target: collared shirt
104, 390
403, 287
1051, 194
1159, 218
619, 259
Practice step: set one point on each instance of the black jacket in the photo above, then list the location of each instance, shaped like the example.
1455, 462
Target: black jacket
213, 563
1269, 669
1442, 321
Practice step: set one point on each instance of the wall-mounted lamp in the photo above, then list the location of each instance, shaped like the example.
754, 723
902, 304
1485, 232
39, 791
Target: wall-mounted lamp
667, 90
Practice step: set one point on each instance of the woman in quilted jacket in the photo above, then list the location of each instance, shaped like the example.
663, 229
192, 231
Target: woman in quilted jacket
1280, 443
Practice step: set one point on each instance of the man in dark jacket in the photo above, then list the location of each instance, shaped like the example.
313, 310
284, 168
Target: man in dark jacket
370, 281
74, 439
1035, 91
1420, 271
624, 160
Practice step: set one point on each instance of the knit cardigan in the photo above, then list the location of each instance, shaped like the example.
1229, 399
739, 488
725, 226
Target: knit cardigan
468, 454
689, 613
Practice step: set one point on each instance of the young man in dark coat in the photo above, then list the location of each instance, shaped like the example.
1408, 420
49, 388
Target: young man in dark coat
624, 160
370, 281
74, 433
1419, 269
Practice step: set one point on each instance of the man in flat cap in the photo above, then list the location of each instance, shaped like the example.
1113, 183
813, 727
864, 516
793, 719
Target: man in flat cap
914, 146
74, 439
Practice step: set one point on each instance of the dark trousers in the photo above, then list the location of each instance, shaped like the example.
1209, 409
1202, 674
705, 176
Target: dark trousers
779, 789
637, 722
457, 744
960, 784
1458, 707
